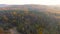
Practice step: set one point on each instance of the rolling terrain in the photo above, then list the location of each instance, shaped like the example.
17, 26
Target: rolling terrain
29, 19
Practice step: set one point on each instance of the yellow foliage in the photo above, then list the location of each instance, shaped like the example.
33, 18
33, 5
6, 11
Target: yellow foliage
1, 31
14, 13
5, 18
40, 31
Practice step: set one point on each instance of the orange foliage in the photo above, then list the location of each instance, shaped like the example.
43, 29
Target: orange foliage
1, 31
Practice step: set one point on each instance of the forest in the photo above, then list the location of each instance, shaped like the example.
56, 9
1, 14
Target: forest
28, 22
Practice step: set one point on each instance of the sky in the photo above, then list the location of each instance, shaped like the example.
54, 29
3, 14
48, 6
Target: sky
22, 2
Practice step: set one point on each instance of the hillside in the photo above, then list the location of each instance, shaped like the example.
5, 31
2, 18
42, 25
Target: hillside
29, 19
41, 8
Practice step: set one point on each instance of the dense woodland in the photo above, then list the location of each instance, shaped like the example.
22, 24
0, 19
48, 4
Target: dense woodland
28, 22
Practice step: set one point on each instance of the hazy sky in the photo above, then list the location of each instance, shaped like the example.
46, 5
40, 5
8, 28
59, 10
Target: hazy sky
44, 2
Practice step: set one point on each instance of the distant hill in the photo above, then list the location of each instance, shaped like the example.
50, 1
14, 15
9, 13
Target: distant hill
48, 9
3, 5
21, 7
